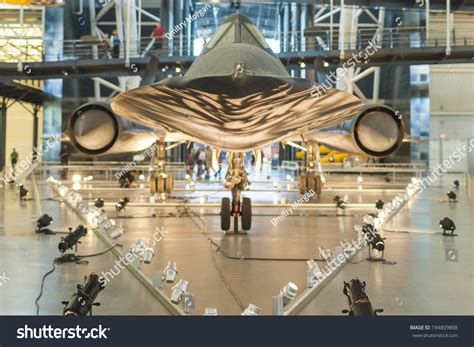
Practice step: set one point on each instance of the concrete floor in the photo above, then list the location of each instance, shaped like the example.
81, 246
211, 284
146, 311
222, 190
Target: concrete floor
255, 265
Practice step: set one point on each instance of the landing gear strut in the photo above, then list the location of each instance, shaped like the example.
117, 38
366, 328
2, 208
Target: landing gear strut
236, 180
160, 183
312, 179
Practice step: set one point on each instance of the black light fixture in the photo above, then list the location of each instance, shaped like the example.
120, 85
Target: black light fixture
357, 299
82, 301
379, 204
43, 222
99, 203
235, 4
377, 242
452, 196
340, 203
387, 179
121, 204
456, 184
374, 241
72, 239
447, 224
23, 192
368, 228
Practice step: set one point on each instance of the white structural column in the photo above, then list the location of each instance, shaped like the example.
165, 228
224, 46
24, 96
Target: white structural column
95, 52
348, 36
342, 30
128, 28
379, 40
131, 32
120, 28
448, 27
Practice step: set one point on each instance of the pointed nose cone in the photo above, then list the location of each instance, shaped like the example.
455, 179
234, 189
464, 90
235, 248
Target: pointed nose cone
238, 18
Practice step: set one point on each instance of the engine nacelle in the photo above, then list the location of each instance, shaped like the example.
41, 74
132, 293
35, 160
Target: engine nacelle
378, 131
94, 129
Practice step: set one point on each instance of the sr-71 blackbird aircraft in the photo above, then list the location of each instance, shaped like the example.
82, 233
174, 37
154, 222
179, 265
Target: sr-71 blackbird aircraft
237, 96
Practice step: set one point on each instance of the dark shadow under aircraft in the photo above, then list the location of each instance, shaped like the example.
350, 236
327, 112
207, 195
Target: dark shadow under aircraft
238, 96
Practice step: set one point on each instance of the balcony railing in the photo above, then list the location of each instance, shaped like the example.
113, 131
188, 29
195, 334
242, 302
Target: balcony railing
311, 40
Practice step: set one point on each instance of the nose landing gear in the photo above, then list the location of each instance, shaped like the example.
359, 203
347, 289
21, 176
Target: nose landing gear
236, 180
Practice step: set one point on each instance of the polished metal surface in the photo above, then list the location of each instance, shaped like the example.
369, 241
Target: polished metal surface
236, 96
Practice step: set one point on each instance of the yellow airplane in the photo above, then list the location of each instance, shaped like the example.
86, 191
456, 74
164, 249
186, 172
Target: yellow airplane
33, 2
328, 155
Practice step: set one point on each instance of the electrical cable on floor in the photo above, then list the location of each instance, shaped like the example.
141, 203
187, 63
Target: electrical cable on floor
97, 254
184, 211
42, 286
60, 260
44, 199
411, 232
135, 217
216, 265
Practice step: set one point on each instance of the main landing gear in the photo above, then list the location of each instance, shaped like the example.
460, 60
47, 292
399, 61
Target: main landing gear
236, 180
160, 183
312, 179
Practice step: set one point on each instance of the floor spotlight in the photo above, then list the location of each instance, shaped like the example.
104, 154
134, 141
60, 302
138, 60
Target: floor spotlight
452, 196
23, 192
288, 293
251, 310
377, 242
359, 303
210, 311
313, 274
456, 184
82, 301
72, 239
76, 178
340, 202
43, 222
117, 233
121, 204
178, 290
447, 224
325, 253
99, 203
170, 272
148, 254
379, 204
